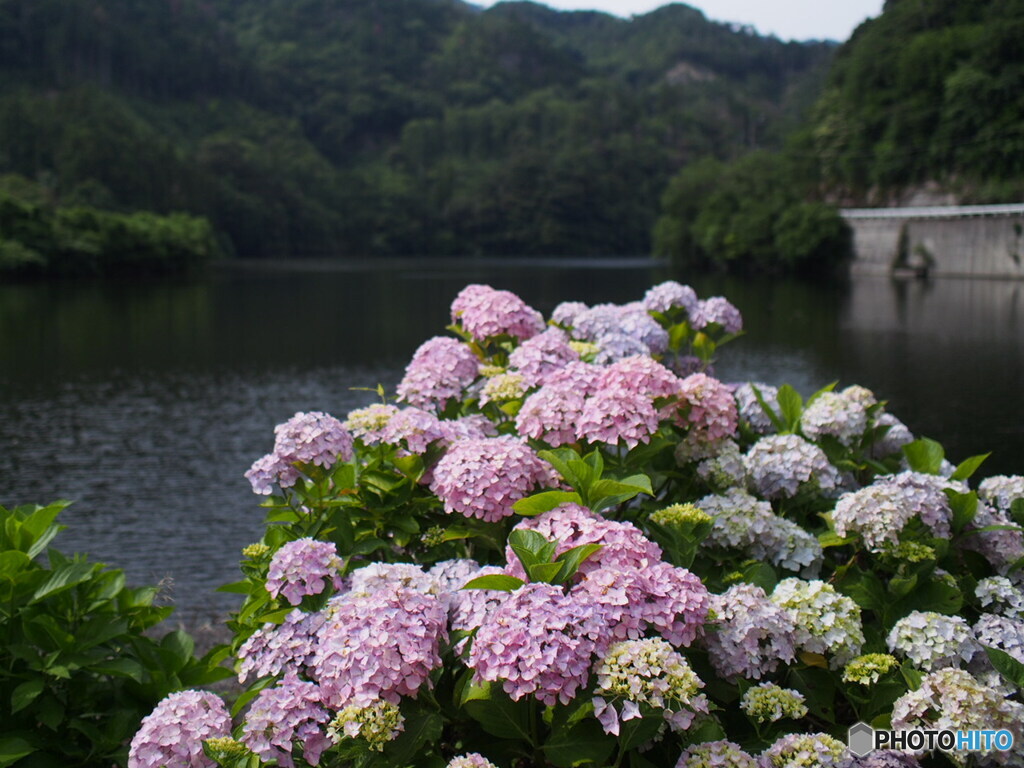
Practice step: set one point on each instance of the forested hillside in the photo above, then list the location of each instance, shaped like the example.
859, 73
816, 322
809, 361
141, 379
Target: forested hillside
373, 127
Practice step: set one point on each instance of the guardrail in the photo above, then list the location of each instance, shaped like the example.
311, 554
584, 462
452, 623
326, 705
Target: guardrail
934, 212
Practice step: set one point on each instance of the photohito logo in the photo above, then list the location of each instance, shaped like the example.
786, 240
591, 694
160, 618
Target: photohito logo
862, 739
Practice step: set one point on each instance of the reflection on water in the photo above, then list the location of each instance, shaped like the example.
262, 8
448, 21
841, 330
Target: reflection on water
146, 403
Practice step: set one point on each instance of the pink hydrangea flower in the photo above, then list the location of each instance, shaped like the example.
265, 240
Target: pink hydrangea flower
414, 427
484, 312
303, 567
172, 735
571, 525
473, 427
290, 712
307, 438
708, 407
717, 310
752, 635
536, 643
537, 358
551, 414
676, 602
440, 369
668, 295
277, 647
615, 415
381, 645
484, 478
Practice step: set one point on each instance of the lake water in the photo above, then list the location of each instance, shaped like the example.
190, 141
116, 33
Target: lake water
145, 403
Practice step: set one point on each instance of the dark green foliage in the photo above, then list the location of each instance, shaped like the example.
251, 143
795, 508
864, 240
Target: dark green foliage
362, 127
929, 90
37, 238
755, 214
79, 666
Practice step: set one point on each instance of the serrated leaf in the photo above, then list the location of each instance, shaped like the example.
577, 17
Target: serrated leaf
1007, 666
496, 581
544, 572
63, 578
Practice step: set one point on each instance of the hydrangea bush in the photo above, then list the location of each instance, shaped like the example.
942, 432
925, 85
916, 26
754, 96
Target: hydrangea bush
566, 543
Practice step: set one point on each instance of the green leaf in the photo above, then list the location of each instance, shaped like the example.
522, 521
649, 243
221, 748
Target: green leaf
528, 546
13, 749
791, 405
12, 563
832, 539
964, 507
818, 688
579, 744
120, 668
1006, 665
560, 459
497, 713
911, 675
924, 455
866, 589
775, 418
608, 493
539, 503
179, 647
236, 587
968, 467
63, 578
572, 559
933, 595
761, 574
25, 694
497, 581
544, 572
634, 733
420, 729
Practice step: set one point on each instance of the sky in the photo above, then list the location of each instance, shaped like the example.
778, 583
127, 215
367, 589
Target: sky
786, 19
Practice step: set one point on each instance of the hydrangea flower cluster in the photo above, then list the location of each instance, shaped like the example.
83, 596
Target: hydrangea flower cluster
751, 635
896, 436
882, 758
1002, 633
376, 724
1001, 593
670, 295
537, 358
484, 313
368, 424
307, 438
750, 409
173, 733
716, 754
303, 567
804, 750
646, 673
932, 640
869, 668
502, 388
769, 703
745, 523
718, 311
780, 466
536, 643
355, 659
879, 512
277, 647
377, 577
439, 370
483, 478
412, 428
709, 407
725, 469
952, 699
1002, 490
287, 713
827, 622
837, 415
472, 760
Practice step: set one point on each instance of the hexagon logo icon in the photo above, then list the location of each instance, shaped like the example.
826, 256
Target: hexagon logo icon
861, 739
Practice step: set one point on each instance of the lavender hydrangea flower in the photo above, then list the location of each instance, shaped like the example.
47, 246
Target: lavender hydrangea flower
172, 735
952, 699
708, 407
725, 469
440, 370
565, 314
475, 426
896, 436
290, 712
750, 409
834, 415
1002, 490
751, 634
1001, 632
827, 622
383, 576
277, 647
780, 466
1003, 595
618, 346
307, 438
537, 358
536, 643
669, 295
484, 478
303, 567
716, 311
383, 645
716, 754
1002, 546
879, 512
484, 313
796, 750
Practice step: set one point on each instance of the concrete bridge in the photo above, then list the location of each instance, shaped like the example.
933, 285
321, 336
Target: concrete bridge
944, 241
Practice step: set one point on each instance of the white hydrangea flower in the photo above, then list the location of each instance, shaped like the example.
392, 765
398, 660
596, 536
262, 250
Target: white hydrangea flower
750, 408
768, 703
827, 622
836, 415
1002, 490
725, 469
1002, 633
377, 724
779, 466
1003, 595
931, 640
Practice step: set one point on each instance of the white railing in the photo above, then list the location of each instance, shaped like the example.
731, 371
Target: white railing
934, 211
